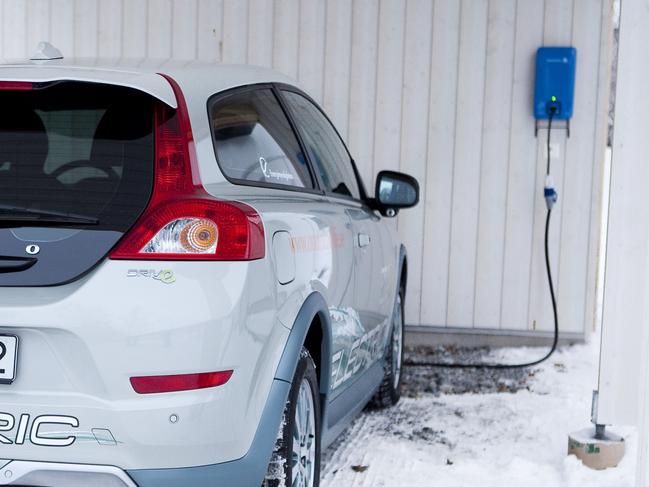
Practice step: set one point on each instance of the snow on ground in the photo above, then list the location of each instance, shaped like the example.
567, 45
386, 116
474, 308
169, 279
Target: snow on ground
487, 439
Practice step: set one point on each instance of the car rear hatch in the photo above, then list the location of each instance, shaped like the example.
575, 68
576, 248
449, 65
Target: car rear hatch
76, 172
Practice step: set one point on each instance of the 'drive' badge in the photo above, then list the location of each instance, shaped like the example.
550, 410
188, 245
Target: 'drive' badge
32, 249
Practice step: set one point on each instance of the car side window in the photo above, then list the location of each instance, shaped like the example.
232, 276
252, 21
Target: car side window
326, 150
254, 141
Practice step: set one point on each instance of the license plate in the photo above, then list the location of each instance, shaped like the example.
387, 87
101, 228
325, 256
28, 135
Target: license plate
8, 358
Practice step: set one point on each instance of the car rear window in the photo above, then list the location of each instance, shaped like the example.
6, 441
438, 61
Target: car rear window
77, 148
254, 141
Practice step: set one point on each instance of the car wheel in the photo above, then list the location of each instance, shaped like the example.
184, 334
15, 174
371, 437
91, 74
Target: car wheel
389, 392
296, 457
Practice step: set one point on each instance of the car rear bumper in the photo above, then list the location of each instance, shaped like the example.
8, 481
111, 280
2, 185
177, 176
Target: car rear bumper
62, 475
246, 471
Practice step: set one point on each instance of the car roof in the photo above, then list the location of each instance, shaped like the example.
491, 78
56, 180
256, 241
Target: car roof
198, 80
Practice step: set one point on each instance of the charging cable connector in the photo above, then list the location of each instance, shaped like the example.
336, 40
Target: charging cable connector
549, 192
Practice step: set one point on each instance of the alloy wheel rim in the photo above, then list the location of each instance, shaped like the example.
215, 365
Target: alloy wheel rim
397, 340
303, 454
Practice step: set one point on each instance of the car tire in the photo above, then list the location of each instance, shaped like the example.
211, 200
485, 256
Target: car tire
296, 457
389, 391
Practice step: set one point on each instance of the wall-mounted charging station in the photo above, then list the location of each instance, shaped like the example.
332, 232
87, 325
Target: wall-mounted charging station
553, 100
554, 88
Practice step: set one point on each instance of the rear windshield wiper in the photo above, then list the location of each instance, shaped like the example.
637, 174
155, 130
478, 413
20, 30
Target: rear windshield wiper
32, 217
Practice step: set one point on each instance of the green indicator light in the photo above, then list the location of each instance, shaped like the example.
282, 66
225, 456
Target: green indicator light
553, 98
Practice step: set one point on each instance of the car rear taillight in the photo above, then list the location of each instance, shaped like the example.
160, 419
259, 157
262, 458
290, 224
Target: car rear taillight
184, 382
182, 221
16, 85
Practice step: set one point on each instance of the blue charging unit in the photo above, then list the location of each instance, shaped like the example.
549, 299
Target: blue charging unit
554, 88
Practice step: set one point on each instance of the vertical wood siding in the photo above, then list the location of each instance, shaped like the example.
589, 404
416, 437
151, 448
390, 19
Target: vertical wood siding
441, 89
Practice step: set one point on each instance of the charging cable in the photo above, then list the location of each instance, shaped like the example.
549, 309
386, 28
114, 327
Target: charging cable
550, 194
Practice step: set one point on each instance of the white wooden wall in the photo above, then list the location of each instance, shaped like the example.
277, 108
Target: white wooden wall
438, 88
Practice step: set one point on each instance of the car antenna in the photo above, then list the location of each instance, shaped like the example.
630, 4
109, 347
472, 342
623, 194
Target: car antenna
46, 52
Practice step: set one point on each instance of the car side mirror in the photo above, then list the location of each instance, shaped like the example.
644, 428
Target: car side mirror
395, 190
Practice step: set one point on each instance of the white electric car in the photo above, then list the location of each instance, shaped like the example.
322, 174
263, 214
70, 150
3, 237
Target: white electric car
195, 288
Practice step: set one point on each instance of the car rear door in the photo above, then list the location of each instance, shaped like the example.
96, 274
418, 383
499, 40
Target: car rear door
359, 347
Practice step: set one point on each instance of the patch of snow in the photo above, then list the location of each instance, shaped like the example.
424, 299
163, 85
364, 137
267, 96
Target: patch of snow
493, 439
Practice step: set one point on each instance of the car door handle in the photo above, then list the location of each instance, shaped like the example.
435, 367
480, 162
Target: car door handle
363, 240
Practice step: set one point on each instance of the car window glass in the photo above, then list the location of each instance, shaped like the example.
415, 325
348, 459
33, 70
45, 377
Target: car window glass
327, 151
81, 148
70, 137
254, 141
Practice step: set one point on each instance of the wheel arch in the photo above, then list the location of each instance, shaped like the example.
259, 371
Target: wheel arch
311, 329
